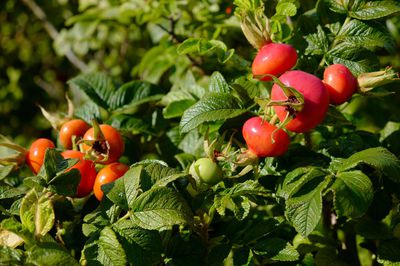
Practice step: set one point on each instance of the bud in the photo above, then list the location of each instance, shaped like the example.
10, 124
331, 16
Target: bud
368, 81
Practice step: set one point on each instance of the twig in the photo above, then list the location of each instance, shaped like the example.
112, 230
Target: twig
52, 31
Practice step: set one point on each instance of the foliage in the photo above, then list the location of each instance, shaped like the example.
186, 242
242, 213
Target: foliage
174, 78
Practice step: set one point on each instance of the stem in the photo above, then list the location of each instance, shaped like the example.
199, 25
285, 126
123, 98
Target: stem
174, 37
52, 31
351, 253
307, 139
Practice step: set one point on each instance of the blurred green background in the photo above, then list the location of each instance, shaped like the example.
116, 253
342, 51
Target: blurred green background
43, 43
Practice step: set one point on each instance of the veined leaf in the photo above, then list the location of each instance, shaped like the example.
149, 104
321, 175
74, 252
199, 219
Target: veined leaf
128, 123
106, 250
156, 171
152, 66
366, 35
37, 213
358, 60
188, 46
204, 46
379, 158
7, 192
367, 10
276, 249
177, 108
295, 179
44, 216
388, 252
160, 208
88, 111
49, 253
304, 209
125, 189
237, 198
143, 247
353, 193
338, 6
98, 86
317, 42
5, 171
214, 106
10, 256
132, 94
110, 250
28, 209
218, 83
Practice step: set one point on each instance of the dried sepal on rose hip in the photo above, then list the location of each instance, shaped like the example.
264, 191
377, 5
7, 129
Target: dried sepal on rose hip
299, 114
103, 143
264, 139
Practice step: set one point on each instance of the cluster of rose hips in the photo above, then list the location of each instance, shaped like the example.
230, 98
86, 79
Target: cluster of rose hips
299, 99
101, 144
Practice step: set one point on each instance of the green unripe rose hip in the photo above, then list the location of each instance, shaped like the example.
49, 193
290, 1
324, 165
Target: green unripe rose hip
207, 170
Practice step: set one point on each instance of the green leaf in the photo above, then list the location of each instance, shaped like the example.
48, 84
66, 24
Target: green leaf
163, 182
130, 124
143, 247
5, 171
212, 107
44, 216
379, 158
66, 183
37, 213
388, 252
110, 251
328, 256
54, 164
157, 171
338, 6
28, 209
188, 46
10, 256
372, 229
204, 46
97, 86
353, 193
357, 59
132, 94
254, 228
88, 111
276, 249
126, 188
177, 108
286, 9
153, 66
295, 179
369, 35
237, 198
160, 208
49, 253
304, 208
373, 9
7, 192
218, 83
317, 42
